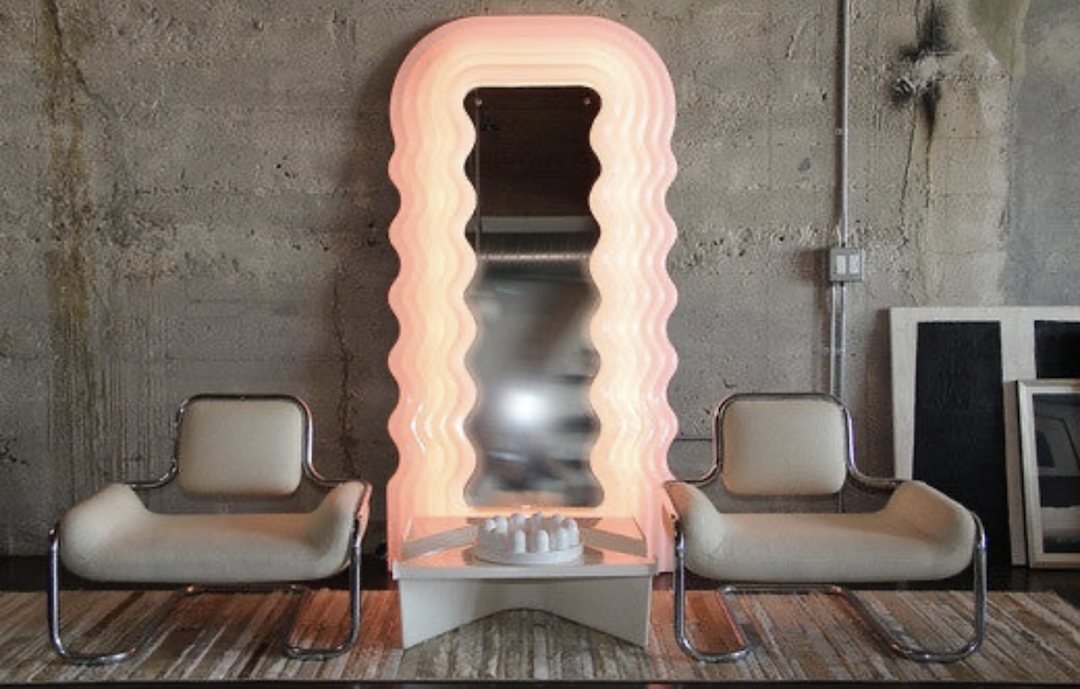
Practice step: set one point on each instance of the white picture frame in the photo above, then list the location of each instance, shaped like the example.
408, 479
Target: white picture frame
1049, 411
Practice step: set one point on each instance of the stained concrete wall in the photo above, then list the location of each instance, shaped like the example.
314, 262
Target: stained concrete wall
1044, 206
194, 198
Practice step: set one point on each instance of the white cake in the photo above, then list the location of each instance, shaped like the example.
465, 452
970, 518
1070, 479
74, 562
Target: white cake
536, 539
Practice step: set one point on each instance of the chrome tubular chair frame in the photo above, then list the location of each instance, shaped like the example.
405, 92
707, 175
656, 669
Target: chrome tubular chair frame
137, 639
856, 479
69, 654
355, 596
880, 630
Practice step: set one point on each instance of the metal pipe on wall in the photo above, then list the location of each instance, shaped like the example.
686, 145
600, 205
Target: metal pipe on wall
838, 301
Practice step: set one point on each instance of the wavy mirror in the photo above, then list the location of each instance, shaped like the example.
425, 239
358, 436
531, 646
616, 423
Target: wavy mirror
589, 338
532, 297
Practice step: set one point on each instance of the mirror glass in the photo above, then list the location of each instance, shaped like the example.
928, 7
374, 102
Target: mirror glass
532, 296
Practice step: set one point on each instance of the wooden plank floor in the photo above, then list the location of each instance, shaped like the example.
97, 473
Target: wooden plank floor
30, 574
1031, 637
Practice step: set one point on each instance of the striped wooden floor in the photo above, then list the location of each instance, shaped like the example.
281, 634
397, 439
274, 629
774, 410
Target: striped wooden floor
1032, 638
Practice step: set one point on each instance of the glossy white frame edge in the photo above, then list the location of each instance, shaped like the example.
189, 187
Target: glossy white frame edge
1017, 363
1026, 390
632, 138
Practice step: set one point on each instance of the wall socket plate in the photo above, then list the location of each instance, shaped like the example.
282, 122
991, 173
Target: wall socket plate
846, 264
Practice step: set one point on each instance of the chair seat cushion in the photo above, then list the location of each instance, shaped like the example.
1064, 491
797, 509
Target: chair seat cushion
112, 536
920, 534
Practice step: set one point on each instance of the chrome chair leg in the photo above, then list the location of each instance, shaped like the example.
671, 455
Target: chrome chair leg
146, 632
355, 590
855, 604
978, 620
681, 636
135, 642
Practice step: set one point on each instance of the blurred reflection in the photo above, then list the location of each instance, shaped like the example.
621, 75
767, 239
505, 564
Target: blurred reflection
533, 298
533, 363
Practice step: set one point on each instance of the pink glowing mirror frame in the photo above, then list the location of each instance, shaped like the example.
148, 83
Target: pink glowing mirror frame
632, 139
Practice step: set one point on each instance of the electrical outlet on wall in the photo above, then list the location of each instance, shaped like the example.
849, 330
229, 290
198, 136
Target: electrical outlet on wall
846, 264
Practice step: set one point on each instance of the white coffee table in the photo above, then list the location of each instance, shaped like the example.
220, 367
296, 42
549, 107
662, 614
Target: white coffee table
442, 586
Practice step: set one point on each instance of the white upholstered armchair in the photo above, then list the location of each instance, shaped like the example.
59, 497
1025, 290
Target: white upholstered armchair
796, 444
230, 448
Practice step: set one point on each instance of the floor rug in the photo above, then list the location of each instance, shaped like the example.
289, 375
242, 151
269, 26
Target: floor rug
1031, 638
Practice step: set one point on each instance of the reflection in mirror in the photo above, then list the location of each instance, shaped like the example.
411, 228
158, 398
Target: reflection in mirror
532, 296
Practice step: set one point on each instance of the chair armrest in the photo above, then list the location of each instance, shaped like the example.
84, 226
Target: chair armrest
96, 520
940, 518
345, 508
694, 511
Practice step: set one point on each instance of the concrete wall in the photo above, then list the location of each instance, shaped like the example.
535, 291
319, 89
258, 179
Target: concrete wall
1044, 206
194, 198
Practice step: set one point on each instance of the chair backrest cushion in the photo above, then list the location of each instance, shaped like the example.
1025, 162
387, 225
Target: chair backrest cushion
248, 446
782, 444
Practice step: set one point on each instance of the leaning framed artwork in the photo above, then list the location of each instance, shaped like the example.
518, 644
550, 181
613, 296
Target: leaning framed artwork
955, 422
1049, 412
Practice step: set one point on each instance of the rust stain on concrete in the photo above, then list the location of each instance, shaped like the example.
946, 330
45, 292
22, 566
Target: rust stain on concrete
69, 263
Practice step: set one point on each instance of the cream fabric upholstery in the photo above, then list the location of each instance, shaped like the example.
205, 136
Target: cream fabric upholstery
769, 444
112, 536
241, 446
920, 534
234, 446
794, 447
